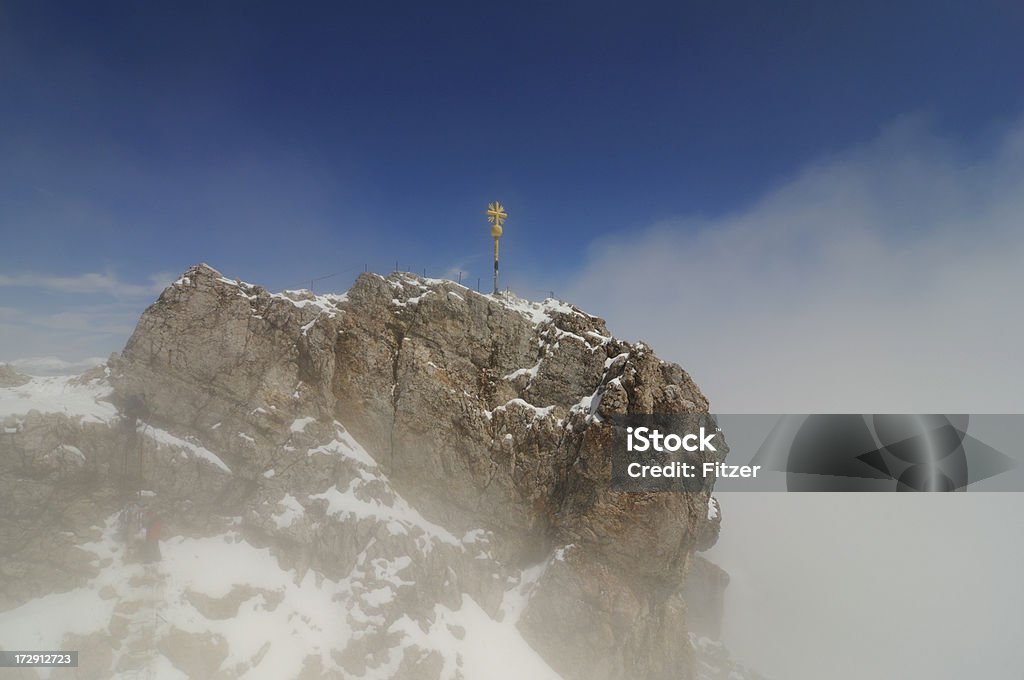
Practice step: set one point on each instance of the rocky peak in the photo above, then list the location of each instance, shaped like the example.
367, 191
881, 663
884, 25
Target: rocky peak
416, 420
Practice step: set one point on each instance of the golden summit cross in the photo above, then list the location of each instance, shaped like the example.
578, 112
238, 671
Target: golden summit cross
496, 215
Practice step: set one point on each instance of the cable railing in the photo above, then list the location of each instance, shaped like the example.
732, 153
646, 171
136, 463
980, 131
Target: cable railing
465, 278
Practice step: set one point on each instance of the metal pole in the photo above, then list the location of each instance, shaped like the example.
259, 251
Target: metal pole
495, 266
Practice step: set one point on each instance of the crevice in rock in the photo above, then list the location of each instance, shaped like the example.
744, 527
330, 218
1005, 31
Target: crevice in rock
395, 395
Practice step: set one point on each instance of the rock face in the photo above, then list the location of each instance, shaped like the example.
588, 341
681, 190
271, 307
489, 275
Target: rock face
704, 593
11, 378
425, 451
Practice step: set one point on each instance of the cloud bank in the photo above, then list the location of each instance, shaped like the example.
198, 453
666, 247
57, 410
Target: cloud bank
884, 278
89, 283
887, 278
70, 318
54, 365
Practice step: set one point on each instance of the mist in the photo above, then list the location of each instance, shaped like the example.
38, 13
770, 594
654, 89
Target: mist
884, 278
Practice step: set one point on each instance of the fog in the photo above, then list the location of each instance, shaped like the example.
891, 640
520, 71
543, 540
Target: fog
853, 586
886, 278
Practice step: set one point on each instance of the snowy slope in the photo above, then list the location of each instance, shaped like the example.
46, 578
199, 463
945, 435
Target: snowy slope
221, 597
68, 395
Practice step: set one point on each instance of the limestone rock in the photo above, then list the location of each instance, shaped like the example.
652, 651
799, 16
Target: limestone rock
11, 378
411, 442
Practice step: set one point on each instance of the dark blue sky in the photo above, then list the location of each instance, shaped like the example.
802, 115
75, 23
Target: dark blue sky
289, 141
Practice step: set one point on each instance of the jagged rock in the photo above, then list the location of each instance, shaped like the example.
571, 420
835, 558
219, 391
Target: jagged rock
704, 591
412, 442
220, 608
196, 655
714, 662
95, 655
710, 530
11, 378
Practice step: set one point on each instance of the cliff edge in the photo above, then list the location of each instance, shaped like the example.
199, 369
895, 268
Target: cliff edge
437, 461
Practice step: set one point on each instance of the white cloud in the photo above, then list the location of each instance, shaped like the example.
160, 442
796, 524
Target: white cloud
73, 332
90, 283
886, 278
54, 365
882, 585
96, 320
882, 279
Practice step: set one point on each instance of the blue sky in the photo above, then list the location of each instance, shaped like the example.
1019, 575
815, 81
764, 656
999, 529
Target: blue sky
283, 142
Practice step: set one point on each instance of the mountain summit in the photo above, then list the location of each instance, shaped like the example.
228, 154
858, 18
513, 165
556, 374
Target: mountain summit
410, 480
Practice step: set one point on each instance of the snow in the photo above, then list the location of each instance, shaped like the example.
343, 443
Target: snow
286, 616
398, 515
536, 312
42, 623
559, 554
413, 301
299, 424
315, 615
538, 412
163, 669
196, 450
488, 649
391, 509
611, 361
475, 536
590, 403
60, 394
73, 450
441, 282
378, 596
713, 508
276, 640
345, 446
515, 600
312, 620
561, 333
326, 303
293, 510
531, 371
